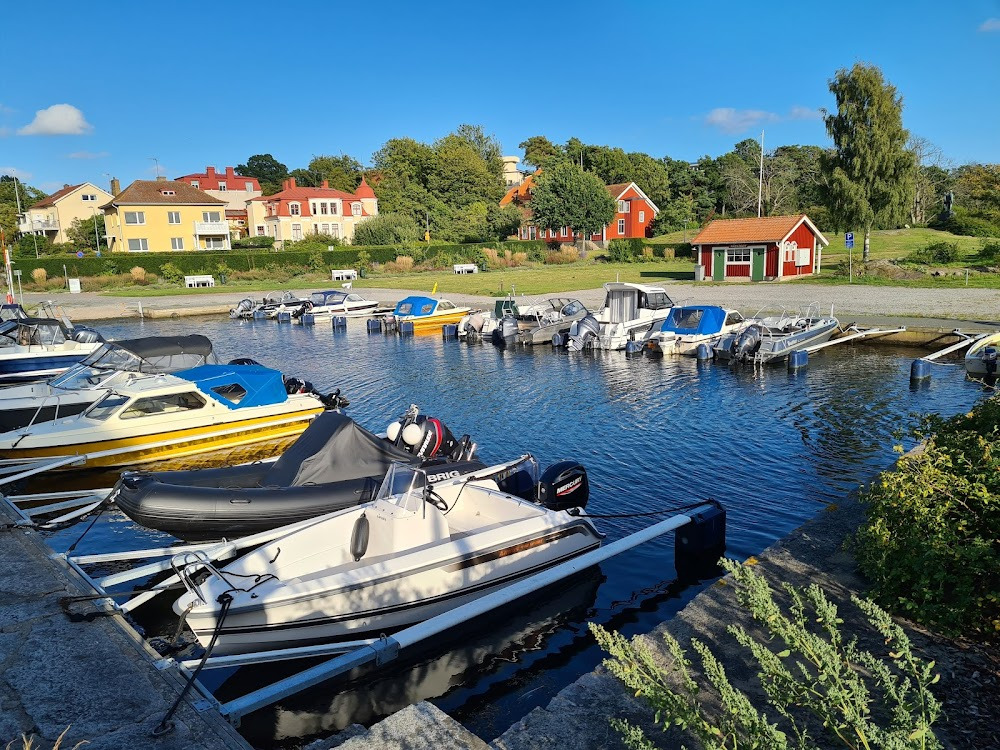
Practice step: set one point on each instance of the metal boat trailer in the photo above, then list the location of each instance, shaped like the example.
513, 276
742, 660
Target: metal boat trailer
77, 503
699, 541
921, 367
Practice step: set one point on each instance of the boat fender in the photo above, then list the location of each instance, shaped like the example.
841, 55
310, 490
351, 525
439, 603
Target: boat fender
564, 485
633, 347
359, 538
558, 339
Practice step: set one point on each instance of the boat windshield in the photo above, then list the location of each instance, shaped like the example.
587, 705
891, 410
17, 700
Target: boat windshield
403, 486
81, 377
107, 406
327, 298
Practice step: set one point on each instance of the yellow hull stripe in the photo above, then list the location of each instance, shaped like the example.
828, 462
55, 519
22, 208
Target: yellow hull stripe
435, 321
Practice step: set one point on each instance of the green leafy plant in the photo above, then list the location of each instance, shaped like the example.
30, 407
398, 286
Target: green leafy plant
171, 273
936, 252
621, 251
990, 251
813, 680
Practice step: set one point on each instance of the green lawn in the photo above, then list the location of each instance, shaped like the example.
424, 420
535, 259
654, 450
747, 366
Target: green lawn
893, 244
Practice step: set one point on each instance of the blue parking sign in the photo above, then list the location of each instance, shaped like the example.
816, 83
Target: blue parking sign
849, 240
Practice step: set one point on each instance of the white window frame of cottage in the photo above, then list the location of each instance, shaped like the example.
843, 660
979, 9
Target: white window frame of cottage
173, 217
564, 232
215, 243
294, 209
261, 230
195, 183
296, 232
88, 197
624, 207
312, 208
222, 187
355, 209
141, 245
621, 227
334, 209
738, 255
138, 218
642, 217
335, 231
532, 232
206, 217
176, 243
249, 186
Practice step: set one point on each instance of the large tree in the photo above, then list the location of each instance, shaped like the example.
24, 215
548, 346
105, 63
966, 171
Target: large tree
870, 172
9, 203
82, 232
268, 171
566, 196
540, 152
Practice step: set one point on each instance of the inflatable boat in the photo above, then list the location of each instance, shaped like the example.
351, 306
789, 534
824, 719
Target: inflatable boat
334, 464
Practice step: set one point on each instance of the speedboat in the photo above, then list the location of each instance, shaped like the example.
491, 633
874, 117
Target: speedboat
269, 307
37, 348
981, 359
11, 311
481, 323
769, 338
629, 311
336, 463
106, 367
427, 313
422, 547
538, 323
322, 305
688, 327
156, 417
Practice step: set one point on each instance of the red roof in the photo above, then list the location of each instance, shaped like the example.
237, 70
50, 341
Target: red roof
364, 190
520, 193
739, 231
51, 200
210, 178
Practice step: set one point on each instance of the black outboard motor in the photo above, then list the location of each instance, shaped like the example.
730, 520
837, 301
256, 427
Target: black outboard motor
330, 401
990, 360
428, 437
563, 486
746, 344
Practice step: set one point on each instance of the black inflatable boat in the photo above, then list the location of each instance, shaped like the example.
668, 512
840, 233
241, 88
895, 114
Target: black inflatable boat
334, 464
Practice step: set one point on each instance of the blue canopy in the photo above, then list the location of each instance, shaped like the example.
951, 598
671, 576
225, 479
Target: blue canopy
694, 320
238, 386
416, 305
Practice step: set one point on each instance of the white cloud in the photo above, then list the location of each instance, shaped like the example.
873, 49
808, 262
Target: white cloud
804, 113
87, 155
730, 120
990, 24
15, 172
59, 119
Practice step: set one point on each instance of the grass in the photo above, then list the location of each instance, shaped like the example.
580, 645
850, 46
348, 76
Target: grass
893, 244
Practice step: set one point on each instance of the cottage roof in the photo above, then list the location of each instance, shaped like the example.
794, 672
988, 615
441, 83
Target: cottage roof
764, 229
149, 192
51, 200
364, 190
520, 193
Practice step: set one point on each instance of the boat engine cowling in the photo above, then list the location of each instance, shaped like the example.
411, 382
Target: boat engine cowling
428, 437
746, 344
563, 486
84, 335
581, 331
990, 360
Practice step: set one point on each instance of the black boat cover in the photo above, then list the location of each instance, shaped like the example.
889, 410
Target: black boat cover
334, 448
159, 346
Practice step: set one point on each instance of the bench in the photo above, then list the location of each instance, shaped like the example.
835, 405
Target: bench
343, 274
192, 282
466, 268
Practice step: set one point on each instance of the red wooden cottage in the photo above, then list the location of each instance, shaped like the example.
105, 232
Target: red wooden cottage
765, 249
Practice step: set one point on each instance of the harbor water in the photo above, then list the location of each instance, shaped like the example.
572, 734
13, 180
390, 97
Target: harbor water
774, 447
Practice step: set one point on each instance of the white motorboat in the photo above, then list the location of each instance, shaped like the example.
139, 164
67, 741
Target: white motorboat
104, 369
770, 338
37, 348
687, 327
426, 544
268, 307
981, 359
324, 305
629, 311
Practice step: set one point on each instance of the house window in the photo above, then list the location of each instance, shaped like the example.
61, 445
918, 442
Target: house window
326, 229
296, 232
642, 217
312, 207
624, 207
249, 187
168, 192
173, 217
88, 197
211, 216
222, 187
531, 233
335, 230
215, 243
195, 183
621, 227
323, 208
176, 243
260, 230
315, 228
737, 255
135, 217
333, 209
356, 209
564, 232
138, 246
294, 209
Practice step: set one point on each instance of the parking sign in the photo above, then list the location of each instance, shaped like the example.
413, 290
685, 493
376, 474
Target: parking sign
849, 240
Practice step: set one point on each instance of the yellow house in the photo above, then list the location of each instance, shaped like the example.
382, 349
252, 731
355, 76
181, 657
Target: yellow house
52, 216
162, 215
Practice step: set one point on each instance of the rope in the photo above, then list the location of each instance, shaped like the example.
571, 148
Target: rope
165, 724
86, 530
675, 509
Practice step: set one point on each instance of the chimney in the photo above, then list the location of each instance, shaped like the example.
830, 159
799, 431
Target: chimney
116, 187
230, 172
284, 184
291, 183
210, 171
161, 178
65, 185
326, 184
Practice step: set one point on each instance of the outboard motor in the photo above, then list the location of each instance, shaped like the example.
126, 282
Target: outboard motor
746, 344
473, 323
505, 332
243, 309
582, 331
330, 401
428, 437
84, 335
563, 486
990, 360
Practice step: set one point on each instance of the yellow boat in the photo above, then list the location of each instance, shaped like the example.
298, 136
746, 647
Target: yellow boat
156, 417
428, 314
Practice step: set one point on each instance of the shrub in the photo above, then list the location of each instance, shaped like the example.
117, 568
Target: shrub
990, 251
647, 254
937, 252
929, 542
402, 264
683, 250
364, 261
138, 273
568, 254
536, 254
170, 273
250, 242
39, 275
317, 262
962, 223
387, 229
624, 251
815, 682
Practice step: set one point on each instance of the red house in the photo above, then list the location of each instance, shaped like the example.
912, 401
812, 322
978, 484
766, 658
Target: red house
771, 248
633, 219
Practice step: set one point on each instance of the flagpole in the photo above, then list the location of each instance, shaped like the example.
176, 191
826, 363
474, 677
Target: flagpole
760, 176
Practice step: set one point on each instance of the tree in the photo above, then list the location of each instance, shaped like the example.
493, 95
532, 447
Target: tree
566, 196
977, 188
870, 172
539, 151
386, 229
929, 177
82, 233
785, 174
341, 172
9, 202
268, 171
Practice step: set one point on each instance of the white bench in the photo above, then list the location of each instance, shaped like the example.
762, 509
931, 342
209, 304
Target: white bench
466, 268
343, 274
192, 282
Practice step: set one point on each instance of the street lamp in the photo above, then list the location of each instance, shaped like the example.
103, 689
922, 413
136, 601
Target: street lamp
97, 238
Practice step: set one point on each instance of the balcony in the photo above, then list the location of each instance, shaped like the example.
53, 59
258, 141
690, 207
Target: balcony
38, 225
211, 227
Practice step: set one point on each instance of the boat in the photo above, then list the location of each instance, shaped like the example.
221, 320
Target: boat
422, 547
38, 348
538, 323
688, 327
981, 358
323, 305
104, 368
11, 311
268, 307
771, 338
155, 417
629, 311
336, 463
427, 313
480, 324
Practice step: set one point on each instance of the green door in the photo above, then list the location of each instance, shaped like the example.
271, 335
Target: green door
719, 264
757, 264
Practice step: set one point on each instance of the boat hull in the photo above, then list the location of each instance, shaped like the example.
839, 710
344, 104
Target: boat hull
431, 323
979, 362
24, 368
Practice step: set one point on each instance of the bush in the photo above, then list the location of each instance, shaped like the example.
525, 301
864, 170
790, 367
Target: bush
990, 251
937, 252
387, 229
39, 275
402, 264
567, 254
929, 544
624, 251
170, 273
257, 241
962, 223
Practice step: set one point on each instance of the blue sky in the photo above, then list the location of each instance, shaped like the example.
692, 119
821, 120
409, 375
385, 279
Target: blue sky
96, 90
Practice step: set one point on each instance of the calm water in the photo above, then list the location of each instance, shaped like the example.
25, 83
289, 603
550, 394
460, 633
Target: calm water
774, 447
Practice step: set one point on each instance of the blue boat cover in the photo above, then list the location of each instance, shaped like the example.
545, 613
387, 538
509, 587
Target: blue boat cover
694, 320
238, 386
418, 306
